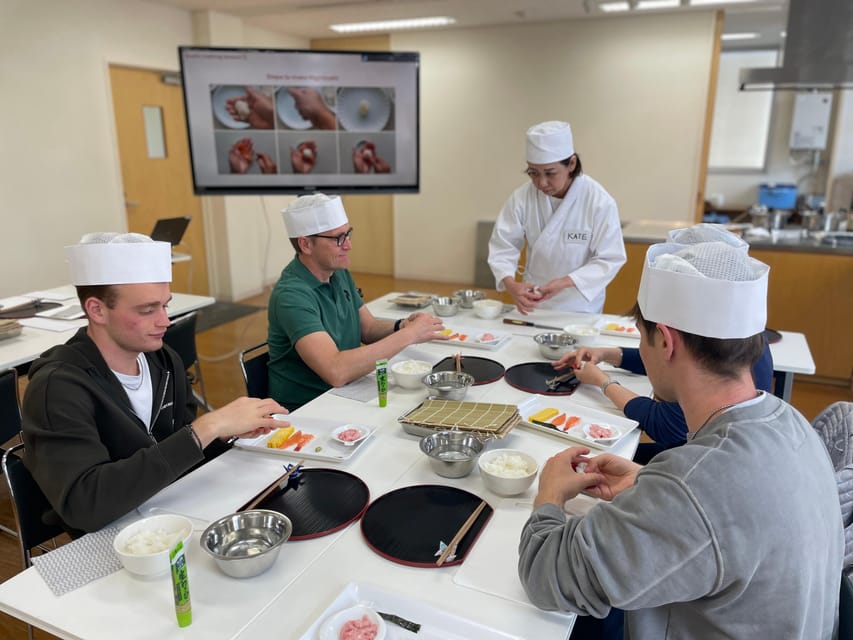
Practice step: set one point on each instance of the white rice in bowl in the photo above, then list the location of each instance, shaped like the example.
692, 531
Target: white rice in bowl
153, 541
507, 465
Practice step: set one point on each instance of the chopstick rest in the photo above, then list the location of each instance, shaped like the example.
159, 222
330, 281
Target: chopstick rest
460, 534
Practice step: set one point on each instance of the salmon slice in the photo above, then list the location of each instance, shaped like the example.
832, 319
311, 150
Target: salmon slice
305, 439
292, 440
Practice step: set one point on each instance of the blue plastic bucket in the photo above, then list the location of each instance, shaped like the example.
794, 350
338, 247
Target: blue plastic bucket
777, 196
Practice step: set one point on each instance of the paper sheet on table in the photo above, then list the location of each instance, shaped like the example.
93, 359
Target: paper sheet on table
217, 488
364, 389
79, 562
52, 324
59, 294
492, 564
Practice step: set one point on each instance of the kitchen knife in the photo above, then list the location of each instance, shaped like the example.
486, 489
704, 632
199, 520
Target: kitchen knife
525, 323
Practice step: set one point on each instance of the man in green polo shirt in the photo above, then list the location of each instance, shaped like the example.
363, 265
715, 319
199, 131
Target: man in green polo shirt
321, 335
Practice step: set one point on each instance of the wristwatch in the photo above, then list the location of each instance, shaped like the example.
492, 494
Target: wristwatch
397, 325
607, 383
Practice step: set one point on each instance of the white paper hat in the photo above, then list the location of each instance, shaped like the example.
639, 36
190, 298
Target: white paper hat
706, 232
312, 214
710, 289
118, 258
549, 142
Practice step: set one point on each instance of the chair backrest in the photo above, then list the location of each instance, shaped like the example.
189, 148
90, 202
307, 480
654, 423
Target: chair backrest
28, 504
253, 363
845, 612
181, 337
10, 406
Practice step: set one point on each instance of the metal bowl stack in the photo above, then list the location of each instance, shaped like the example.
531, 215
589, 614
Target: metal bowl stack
246, 544
452, 454
447, 385
468, 297
446, 305
555, 345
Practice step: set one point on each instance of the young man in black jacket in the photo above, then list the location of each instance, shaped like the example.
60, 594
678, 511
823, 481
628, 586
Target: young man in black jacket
109, 417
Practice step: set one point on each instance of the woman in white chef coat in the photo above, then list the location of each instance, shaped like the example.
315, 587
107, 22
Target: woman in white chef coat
571, 226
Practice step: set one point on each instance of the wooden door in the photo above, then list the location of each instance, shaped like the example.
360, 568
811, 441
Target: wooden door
158, 186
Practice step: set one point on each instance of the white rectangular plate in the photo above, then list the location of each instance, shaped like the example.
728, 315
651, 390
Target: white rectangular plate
474, 337
587, 415
436, 624
330, 449
622, 327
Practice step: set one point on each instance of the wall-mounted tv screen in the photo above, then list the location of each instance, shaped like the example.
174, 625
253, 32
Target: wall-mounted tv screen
293, 121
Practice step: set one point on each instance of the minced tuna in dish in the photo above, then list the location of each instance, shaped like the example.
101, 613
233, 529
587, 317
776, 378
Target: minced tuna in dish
360, 629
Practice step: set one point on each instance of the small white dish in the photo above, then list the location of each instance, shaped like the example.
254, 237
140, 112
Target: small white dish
346, 434
590, 428
331, 628
585, 335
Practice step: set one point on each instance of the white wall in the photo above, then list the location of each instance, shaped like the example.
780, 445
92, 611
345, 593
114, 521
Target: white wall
59, 170
634, 90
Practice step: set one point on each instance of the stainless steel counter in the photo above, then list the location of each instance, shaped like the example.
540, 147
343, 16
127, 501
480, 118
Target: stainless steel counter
792, 239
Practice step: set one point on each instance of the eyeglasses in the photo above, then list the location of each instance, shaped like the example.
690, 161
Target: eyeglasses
339, 239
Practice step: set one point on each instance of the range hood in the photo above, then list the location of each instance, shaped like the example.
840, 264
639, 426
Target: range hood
818, 50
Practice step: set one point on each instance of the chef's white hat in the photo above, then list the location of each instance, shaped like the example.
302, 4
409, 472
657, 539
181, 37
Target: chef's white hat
312, 214
710, 289
706, 232
549, 142
118, 258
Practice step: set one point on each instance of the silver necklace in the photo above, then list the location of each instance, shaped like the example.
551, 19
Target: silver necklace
718, 410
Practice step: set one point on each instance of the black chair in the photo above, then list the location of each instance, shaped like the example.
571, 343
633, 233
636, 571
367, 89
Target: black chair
845, 612
253, 363
28, 505
181, 337
10, 417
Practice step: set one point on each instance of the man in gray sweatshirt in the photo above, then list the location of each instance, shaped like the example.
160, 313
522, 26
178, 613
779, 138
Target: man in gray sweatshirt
738, 533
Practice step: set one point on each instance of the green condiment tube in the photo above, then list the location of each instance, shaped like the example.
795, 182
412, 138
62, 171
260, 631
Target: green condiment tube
382, 381
181, 585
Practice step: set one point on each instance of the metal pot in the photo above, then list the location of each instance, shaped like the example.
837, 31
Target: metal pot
759, 216
778, 218
810, 220
831, 220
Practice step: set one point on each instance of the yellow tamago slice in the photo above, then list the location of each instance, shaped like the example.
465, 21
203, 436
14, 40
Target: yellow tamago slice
544, 415
278, 438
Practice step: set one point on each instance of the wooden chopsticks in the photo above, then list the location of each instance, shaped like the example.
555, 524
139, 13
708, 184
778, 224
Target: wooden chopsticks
275, 485
460, 534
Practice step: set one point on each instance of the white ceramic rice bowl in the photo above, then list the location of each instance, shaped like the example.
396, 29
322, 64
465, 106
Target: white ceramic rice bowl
507, 485
156, 563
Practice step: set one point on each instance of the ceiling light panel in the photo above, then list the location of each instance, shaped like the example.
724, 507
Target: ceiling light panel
393, 25
610, 7
702, 3
657, 4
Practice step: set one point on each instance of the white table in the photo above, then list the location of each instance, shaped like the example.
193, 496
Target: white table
33, 341
285, 601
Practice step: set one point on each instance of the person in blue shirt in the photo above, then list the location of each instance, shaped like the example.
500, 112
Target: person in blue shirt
663, 422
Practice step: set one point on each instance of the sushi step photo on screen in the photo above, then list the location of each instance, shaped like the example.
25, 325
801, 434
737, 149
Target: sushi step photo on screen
303, 130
